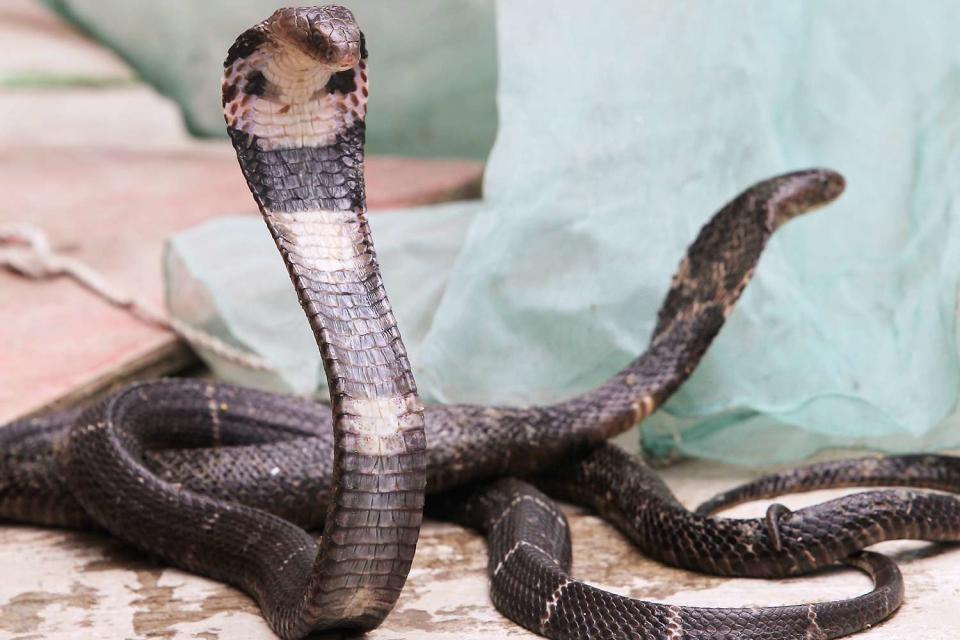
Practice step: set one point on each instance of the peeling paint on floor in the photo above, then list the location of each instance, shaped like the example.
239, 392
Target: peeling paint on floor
61, 585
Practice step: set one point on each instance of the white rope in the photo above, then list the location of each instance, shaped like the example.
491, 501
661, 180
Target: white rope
25, 249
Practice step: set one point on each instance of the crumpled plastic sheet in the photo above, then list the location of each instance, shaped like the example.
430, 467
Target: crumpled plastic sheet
226, 277
623, 127
179, 46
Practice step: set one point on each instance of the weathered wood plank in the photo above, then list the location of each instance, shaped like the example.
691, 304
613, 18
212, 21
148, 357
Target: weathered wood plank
113, 209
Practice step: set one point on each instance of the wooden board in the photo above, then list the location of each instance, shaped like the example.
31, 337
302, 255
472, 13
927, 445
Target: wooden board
113, 208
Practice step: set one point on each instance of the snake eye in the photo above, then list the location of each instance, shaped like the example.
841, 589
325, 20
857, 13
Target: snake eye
317, 41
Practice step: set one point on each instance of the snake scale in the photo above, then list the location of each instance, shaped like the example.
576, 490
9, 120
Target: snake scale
225, 481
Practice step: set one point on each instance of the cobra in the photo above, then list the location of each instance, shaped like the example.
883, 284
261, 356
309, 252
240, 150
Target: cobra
224, 481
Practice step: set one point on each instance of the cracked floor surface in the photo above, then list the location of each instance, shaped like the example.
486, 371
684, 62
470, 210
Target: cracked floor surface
64, 585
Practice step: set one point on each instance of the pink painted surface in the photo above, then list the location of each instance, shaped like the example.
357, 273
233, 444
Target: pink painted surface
113, 209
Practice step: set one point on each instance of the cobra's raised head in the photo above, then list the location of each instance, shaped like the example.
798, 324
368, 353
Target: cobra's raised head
328, 35
296, 80
295, 100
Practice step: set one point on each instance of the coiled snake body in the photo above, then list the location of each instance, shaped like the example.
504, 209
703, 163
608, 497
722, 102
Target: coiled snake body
222, 480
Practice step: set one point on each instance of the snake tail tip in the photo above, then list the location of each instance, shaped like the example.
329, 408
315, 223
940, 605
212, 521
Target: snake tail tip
824, 185
800, 192
834, 184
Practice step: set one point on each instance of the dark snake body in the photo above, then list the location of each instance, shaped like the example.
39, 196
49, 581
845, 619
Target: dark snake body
215, 478
298, 131
530, 558
925, 471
